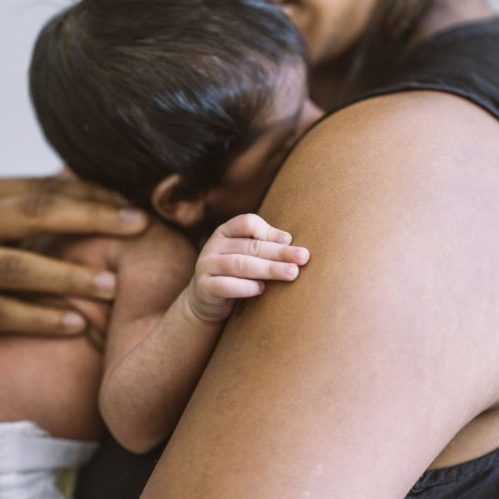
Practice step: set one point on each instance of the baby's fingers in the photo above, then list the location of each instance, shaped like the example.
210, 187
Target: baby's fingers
250, 267
256, 227
232, 287
266, 250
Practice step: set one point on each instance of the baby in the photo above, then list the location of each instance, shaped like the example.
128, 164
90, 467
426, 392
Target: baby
187, 109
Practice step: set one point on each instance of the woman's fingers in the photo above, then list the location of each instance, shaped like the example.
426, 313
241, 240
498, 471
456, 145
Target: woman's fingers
61, 185
33, 214
266, 250
250, 225
29, 272
19, 317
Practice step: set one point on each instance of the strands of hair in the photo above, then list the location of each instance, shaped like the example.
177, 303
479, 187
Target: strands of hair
130, 91
389, 34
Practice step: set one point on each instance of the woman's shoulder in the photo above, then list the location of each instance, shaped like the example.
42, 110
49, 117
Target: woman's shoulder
424, 160
394, 195
398, 123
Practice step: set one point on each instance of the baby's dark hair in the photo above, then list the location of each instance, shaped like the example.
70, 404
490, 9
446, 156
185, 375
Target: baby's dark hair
130, 91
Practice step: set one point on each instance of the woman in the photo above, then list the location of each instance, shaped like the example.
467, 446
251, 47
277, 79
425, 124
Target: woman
350, 121
383, 361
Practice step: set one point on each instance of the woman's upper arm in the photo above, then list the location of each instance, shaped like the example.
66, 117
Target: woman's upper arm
350, 381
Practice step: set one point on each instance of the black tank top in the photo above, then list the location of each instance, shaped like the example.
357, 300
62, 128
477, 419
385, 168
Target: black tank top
463, 61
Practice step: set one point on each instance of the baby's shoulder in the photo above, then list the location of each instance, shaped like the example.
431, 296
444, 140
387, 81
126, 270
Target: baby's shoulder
153, 269
156, 244
159, 245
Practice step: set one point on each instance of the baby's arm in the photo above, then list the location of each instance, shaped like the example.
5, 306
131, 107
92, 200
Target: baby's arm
144, 395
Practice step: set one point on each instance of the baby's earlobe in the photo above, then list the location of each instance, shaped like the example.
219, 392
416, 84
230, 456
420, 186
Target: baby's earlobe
167, 204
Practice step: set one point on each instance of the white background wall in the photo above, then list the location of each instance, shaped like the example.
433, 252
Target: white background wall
23, 150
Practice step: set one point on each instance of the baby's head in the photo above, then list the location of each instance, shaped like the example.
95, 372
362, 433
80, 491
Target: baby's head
185, 107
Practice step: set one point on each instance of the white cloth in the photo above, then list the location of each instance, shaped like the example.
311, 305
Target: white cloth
30, 459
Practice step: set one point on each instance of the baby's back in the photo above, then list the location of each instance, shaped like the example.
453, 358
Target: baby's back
55, 381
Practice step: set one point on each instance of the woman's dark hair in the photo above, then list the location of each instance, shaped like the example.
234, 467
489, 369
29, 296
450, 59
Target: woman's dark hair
130, 91
387, 39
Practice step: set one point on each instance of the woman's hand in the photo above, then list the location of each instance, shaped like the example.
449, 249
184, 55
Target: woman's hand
235, 262
29, 207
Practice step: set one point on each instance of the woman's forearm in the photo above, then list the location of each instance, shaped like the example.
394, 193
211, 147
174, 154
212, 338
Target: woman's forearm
142, 396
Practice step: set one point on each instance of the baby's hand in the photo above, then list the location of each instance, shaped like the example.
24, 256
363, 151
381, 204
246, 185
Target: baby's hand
235, 261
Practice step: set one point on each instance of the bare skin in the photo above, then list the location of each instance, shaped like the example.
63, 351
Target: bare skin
352, 388
484, 418
151, 363
67, 370
30, 207
328, 35
163, 369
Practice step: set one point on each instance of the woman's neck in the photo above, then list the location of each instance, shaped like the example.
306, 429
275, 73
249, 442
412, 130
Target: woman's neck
444, 15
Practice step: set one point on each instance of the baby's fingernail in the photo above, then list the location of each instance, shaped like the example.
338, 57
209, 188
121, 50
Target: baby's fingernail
285, 238
302, 255
292, 271
133, 218
73, 322
105, 281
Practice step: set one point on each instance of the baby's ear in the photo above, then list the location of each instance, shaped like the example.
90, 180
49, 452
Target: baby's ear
184, 212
